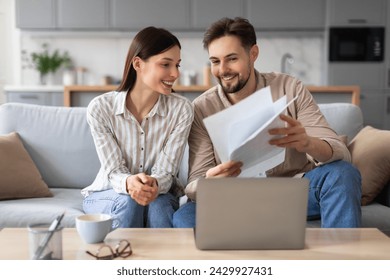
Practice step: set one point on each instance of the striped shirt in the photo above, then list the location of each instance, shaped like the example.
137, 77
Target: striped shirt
126, 147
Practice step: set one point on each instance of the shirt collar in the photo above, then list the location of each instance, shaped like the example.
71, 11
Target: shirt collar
120, 102
159, 108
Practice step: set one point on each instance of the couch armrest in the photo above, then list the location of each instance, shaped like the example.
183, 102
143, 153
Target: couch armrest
384, 196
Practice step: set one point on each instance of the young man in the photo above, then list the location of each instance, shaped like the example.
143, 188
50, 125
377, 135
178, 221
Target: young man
313, 150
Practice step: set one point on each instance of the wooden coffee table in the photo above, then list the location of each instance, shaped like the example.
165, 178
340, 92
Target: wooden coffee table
331, 244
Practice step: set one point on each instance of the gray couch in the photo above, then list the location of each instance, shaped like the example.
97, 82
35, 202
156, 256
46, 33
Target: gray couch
59, 141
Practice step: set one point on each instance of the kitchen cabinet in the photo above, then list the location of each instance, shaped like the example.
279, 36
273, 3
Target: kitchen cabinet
82, 14
137, 14
39, 95
387, 50
35, 13
62, 14
286, 14
205, 12
375, 105
357, 12
175, 15
366, 75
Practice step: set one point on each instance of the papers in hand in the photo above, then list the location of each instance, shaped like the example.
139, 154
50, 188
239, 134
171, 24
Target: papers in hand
240, 132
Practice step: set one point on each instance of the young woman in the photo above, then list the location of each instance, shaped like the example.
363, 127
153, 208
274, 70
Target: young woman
140, 132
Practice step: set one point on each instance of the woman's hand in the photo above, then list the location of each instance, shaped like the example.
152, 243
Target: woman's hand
142, 188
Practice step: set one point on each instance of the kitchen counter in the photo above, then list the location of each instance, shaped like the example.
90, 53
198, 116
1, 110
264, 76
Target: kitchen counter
50, 95
333, 94
80, 95
322, 94
34, 88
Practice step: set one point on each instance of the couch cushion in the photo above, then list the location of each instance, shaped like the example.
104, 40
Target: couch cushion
371, 155
20, 177
373, 216
22, 212
344, 118
58, 140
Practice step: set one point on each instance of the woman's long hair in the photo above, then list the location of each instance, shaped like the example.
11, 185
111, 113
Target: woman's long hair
148, 42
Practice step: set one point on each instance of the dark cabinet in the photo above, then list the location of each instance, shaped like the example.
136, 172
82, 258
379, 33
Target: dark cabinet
357, 12
375, 105
35, 14
286, 14
176, 15
205, 12
82, 14
137, 14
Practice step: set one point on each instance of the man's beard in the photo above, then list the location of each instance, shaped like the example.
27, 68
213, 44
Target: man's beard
233, 88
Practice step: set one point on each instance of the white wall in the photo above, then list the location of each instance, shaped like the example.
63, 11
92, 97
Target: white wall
104, 53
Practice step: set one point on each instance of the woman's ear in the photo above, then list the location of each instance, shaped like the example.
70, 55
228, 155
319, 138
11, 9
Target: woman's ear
137, 63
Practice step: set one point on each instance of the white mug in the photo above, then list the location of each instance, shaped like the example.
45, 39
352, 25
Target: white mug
93, 228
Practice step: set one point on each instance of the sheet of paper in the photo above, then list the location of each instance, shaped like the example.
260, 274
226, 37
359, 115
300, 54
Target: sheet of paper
256, 148
240, 132
219, 125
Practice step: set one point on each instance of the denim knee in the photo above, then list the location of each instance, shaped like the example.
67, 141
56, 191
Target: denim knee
335, 194
184, 217
129, 212
348, 176
161, 210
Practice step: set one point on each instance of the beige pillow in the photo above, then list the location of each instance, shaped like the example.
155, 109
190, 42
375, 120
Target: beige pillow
370, 150
19, 177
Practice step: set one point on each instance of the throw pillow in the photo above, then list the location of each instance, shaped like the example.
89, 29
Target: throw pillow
370, 152
19, 177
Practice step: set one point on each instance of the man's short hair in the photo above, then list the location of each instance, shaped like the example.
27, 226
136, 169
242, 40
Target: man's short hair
239, 27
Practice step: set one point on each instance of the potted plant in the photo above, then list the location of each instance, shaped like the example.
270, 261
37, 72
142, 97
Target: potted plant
46, 62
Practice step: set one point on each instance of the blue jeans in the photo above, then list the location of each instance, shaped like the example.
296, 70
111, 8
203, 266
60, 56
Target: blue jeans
334, 197
129, 213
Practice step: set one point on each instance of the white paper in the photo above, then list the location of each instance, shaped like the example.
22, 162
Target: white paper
240, 132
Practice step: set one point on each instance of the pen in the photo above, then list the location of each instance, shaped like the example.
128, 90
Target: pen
54, 225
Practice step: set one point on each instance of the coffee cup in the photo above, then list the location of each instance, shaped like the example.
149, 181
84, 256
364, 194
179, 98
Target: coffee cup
93, 228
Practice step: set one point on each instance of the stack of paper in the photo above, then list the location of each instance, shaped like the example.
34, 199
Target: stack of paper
240, 132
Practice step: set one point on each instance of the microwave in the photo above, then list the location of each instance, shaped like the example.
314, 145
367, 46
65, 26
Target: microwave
356, 44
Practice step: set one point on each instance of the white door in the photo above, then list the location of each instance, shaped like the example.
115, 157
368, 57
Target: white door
8, 49
2, 49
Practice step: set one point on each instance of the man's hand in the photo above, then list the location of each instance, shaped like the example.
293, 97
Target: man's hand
295, 136
142, 188
226, 169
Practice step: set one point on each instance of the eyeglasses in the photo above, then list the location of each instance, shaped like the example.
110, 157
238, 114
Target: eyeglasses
105, 252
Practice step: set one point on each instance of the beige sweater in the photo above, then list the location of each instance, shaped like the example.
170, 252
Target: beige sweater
203, 156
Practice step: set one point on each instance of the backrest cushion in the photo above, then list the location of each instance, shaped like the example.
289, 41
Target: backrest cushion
371, 155
344, 118
58, 139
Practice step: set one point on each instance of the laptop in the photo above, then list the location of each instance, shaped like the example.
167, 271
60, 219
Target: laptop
251, 213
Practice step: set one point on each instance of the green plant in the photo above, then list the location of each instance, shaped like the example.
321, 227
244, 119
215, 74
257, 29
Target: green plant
45, 61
